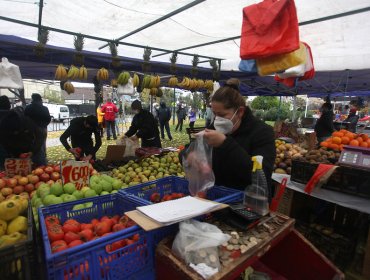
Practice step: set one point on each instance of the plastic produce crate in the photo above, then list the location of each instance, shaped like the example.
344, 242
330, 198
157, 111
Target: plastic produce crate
17, 261
91, 259
176, 184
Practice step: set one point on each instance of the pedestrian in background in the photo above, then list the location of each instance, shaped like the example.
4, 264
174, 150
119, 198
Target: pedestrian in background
164, 116
41, 117
110, 110
192, 117
100, 116
181, 115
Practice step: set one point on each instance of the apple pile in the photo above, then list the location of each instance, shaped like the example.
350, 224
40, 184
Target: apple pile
72, 233
156, 197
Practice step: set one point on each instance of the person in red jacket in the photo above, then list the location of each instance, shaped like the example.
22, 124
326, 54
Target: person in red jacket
110, 110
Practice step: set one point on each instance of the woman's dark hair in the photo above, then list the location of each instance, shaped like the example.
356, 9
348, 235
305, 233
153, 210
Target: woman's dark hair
136, 105
4, 103
229, 95
92, 121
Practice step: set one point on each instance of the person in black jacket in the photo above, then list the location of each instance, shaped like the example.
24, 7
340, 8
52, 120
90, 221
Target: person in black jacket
80, 132
324, 126
41, 116
236, 135
164, 116
143, 126
352, 118
181, 116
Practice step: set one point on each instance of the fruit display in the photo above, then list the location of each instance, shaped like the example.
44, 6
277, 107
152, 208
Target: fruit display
102, 74
149, 169
73, 73
123, 78
68, 87
156, 197
192, 84
321, 155
61, 73
135, 80
173, 81
82, 73
72, 233
345, 137
150, 81
208, 85
13, 220
285, 153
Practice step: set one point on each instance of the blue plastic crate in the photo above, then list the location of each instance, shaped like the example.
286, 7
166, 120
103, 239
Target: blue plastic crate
91, 260
172, 184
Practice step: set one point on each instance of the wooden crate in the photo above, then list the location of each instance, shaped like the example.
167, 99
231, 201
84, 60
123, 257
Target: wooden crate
285, 205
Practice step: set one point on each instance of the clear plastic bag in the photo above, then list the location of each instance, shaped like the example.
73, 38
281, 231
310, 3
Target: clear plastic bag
131, 146
198, 242
197, 164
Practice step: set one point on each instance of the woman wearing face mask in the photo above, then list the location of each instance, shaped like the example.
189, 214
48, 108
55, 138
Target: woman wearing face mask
143, 126
236, 135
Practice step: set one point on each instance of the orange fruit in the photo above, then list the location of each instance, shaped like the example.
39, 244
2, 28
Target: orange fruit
368, 142
324, 144
329, 140
345, 140
359, 139
341, 147
363, 144
338, 134
343, 131
364, 137
350, 135
336, 140
354, 143
334, 146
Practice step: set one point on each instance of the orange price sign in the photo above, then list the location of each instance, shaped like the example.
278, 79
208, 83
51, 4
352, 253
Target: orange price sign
17, 166
76, 172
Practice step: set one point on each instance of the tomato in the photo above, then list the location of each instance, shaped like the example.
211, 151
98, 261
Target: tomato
71, 236
86, 235
94, 222
102, 228
235, 254
130, 223
108, 220
87, 226
58, 246
202, 195
75, 243
118, 227
106, 234
136, 237
124, 220
116, 245
51, 220
167, 197
129, 241
155, 197
71, 225
115, 218
55, 232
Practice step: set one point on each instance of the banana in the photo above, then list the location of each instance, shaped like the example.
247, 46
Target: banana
72, 72
68, 87
200, 83
113, 83
135, 80
173, 81
102, 74
152, 82
158, 81
82, 75
153, 91
146, 81
61, 73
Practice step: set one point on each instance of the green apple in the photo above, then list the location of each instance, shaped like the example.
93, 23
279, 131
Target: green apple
88, 204
78, 207
69, 188
133, 184
56, 189
48, 199
69, 198
44, 192
41, 188
84, 189
95, 178
36, 201
107, 178
104, 193
78, 194
33, 199
97, 187
114, 191
107, 186
63, 195
57, 200
117, 184
89, 193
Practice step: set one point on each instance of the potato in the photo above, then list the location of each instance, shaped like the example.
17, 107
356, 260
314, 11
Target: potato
280, 171
282, 147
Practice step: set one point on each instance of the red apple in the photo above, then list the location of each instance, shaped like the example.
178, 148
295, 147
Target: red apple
17, 177
55, 176
29, 188
6, 191
57, 168
2, 183
50, 182
18, 189
23, 181
33, 193
59, 181
25, 195
44, 177
34, 179
12, 182
38, 184
38, 171
49, 169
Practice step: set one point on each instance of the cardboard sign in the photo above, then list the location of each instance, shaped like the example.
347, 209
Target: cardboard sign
76, 172
17, 166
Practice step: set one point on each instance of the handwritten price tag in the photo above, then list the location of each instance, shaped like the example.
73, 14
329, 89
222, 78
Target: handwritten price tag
76, 172
17, 166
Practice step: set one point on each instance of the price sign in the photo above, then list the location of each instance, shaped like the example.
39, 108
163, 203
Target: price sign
76, 172
17, 166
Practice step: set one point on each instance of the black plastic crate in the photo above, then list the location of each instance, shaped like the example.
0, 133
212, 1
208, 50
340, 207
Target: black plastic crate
18, 261
302, 171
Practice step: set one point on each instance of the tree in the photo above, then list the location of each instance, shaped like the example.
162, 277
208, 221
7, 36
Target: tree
53, 96
265, 102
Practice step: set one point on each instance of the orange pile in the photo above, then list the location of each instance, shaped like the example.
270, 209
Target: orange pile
345, 137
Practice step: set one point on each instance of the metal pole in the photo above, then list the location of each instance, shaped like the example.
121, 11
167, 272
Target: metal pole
294, 108
174, 106
279, 110
41, 5
305, 112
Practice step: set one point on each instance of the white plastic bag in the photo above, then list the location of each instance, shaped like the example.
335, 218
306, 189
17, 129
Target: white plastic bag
127, 89
131, 146
10, 76
197, 164
198, 242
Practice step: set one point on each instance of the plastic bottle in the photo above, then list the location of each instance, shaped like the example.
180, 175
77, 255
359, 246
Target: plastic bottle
256, 195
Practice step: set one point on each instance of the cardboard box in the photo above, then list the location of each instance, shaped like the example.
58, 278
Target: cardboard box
114, 153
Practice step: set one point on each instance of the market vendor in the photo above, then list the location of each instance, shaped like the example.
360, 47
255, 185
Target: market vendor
324, 126
143, 126
236, 135
80, 132
352, 118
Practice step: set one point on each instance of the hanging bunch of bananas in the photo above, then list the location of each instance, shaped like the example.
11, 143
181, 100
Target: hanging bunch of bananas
123, 78
61, 73
135, 80
193, 84
185, 83
153, 91
114, 83
200, 83
103, 74
173, 81
68, 87
82, 75
151, 81
159, 92
208, 85
73, 73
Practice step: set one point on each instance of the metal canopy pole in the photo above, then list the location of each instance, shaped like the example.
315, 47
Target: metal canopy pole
179, 10
366, 9
41, 5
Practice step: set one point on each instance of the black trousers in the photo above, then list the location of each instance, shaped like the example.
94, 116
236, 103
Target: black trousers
179, 124
165, 125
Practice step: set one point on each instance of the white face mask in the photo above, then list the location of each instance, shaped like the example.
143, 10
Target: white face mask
224, 125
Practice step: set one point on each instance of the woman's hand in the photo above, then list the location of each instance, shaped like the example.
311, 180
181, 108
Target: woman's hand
214, 138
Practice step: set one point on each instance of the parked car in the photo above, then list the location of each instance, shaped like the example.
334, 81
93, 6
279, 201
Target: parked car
58, 112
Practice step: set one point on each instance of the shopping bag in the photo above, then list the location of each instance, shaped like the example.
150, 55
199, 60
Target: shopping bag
309, 70
10, 76
248, 65
197, 164
278, 63
269, 28
130, 144
197, 241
